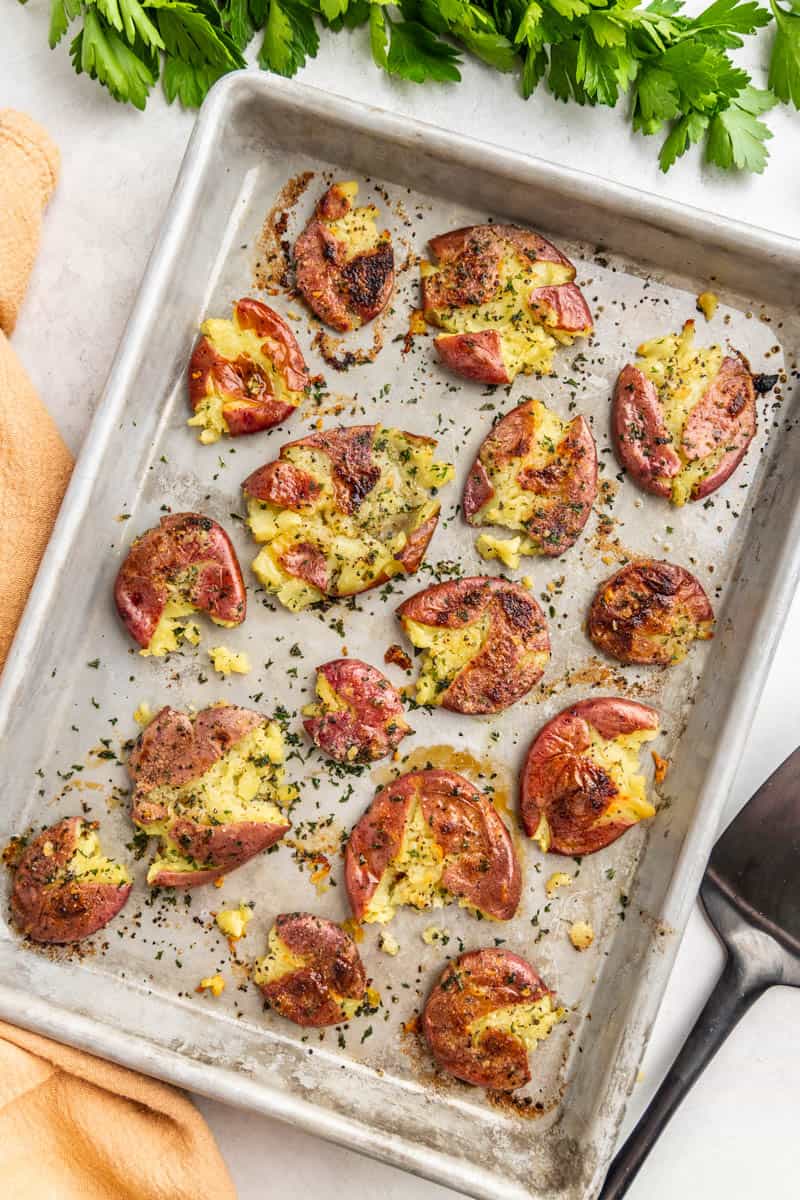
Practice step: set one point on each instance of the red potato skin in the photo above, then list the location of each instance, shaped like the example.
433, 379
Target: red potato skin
502, 671
374, 721
469, 260
179, 543
55, 911
484, 870
567, 487
725, 416
344, 294
470, 987
332, 965
170, 752
354, 473
562, 784
249, 405
477, 356
641, 602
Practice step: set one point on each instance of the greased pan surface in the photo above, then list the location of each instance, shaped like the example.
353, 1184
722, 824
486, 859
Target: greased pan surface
73, 680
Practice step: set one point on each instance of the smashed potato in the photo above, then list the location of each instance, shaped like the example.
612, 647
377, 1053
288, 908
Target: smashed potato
536, 475
342, 511
246, 374
505, 297
312, 973
211, 789
426, 840
650, 613
581, 784
186, 564
345, 267
485, 641
683, 416
488, 1010
359, 715
65, 888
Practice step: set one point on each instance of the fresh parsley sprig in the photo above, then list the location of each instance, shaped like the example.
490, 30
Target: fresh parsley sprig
674, 71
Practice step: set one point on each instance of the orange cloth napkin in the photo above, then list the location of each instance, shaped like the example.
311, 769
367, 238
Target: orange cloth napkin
72, 1127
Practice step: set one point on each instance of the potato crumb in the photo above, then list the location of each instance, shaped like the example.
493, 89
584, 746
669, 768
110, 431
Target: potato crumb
233, 921
581, 935
219, 882
661, 767
527, 581
144, 714
557, 880
388, 944
214, 984
506, 549
707, 304
227, 662
433, 934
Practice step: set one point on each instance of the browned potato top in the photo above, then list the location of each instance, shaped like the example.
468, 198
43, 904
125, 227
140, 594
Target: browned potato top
486, 641
345, 267
65, 888
312, 974
650, 613
426, 839
487, 1010
537, 475
505, 297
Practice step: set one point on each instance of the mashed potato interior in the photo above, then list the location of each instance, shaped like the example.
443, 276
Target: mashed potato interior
682, 373
172, 629
359, 548
447, 652
90, 865
329, 700
357, 228
526, 345
413, 877
529, 1023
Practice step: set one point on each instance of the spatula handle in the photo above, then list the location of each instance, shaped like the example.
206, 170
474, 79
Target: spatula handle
735, 992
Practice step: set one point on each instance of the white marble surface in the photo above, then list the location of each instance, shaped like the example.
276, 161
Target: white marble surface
736, 1133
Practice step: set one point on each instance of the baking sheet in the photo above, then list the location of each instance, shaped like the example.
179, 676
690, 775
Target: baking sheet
70, 689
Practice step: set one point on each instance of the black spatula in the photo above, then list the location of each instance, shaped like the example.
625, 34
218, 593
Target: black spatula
751, 892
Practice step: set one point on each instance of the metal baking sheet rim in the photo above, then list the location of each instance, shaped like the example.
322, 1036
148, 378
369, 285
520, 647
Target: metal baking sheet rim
136, 1053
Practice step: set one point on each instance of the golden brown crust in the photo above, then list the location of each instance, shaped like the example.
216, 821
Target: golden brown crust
509, 662
561, 783
332, 970
481, 865
51, 905
190, 553
344, 292
470, 987
637, 615
565, 488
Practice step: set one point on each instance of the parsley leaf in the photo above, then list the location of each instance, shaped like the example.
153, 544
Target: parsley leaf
736, 137
105, 56
290, 36
784, 69
417, 54
689, 130
187, 83
377, 36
